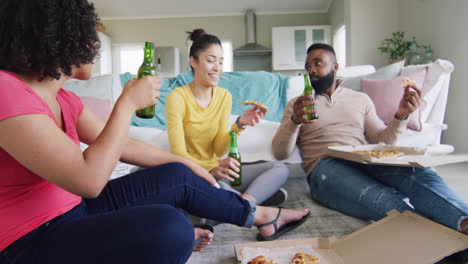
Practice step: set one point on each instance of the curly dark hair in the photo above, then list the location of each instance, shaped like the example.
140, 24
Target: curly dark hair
47, 37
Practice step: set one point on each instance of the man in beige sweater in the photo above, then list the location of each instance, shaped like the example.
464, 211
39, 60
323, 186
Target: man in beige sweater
349, 117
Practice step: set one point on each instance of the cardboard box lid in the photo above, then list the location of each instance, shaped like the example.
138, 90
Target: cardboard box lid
414, 157
321, 245
398, 238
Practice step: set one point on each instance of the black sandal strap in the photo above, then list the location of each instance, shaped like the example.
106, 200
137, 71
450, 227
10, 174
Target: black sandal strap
273, 222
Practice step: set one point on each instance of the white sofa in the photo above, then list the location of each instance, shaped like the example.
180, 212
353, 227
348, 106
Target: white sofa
255, 143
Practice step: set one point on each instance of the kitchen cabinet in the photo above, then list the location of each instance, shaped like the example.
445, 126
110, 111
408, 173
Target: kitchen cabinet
289, 44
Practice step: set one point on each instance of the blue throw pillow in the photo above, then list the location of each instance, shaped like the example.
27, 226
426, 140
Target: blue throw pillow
264, 87
159, 119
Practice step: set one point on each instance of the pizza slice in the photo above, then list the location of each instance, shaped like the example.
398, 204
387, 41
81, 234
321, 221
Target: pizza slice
381, 154
260, 106
261, 260
303, 258
407, 82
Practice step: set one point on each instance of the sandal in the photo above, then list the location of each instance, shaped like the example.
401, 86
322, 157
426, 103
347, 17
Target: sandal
283, 229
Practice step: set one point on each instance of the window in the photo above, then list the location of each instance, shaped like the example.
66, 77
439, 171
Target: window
339, 44
227, 54
128, 57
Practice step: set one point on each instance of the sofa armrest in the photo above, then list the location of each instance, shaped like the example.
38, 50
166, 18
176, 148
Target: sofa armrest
430, 135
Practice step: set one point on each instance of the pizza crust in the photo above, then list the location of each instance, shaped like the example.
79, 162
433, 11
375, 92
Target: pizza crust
407, 82
261, 260
303, 258
260, 106
381, 154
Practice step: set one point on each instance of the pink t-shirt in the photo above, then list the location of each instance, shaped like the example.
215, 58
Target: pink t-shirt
27, 200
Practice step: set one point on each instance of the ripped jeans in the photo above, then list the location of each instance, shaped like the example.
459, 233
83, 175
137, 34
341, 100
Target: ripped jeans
370, 191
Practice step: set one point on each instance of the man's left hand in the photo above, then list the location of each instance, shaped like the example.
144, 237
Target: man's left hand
410, 101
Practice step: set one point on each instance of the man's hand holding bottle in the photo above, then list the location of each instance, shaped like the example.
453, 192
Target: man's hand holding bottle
300, 110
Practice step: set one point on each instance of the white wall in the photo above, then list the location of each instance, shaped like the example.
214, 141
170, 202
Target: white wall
442, 24
368, 22
172, 31
336, 13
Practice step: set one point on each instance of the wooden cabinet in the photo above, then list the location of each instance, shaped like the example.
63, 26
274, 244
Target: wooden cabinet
289, 45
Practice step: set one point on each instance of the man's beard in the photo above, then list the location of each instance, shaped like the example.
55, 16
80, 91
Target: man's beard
322, 84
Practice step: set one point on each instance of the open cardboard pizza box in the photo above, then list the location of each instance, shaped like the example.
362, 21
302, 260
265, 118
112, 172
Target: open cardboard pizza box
398, 238
412, 157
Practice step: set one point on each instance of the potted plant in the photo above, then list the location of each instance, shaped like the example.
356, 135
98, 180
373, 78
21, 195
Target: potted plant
396, 46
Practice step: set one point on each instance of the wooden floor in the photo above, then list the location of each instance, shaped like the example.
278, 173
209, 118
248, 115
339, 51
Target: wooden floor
456, 176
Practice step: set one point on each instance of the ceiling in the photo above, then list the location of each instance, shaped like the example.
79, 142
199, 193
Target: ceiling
131, 9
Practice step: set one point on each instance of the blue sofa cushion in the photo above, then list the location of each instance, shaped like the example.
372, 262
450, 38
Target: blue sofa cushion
264, 87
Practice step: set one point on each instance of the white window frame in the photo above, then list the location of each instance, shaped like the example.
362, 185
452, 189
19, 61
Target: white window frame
339, 44
117, 63
228, 62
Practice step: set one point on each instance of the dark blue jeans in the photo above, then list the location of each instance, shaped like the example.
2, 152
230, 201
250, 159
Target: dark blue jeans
370, 191
136, 219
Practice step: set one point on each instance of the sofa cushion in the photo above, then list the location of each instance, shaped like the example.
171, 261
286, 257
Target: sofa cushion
435, 83
387, 93
265, 87
386, 72
97, 87
101, 107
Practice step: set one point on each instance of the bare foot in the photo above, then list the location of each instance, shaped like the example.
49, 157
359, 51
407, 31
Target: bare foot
464, 227
267, 214
205, 237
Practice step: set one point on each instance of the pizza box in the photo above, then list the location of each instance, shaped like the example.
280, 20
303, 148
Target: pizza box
398, 238
412, 157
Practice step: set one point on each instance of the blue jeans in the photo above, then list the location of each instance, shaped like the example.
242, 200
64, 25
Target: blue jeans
370, 191
135, 219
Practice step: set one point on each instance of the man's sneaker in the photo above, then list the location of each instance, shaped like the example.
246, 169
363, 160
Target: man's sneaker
278, 198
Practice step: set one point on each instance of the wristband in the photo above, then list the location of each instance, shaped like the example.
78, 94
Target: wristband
404, 118
294, 121
238, 123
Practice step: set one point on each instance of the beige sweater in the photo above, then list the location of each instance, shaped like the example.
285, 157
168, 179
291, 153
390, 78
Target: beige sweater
346, 118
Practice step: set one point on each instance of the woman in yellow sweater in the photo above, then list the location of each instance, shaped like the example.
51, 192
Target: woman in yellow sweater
197, 122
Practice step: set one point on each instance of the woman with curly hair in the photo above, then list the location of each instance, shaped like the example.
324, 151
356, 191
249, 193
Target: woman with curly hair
57, 204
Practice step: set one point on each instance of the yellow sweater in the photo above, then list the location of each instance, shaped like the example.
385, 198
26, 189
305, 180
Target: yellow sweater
200, 134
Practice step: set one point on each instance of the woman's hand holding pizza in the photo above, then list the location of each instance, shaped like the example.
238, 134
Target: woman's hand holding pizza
252, 116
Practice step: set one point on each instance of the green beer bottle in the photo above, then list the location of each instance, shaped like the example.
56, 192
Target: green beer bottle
235, 154
309, 90
147, 68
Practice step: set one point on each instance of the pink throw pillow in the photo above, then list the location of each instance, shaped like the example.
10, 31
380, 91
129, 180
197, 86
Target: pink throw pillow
101, 107
386, 95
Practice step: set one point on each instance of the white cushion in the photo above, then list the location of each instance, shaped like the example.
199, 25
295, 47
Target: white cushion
428, 136
296, 87
121, 169
386, 72
354, 71
98, 87
435, 89
296, 83
255, 142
